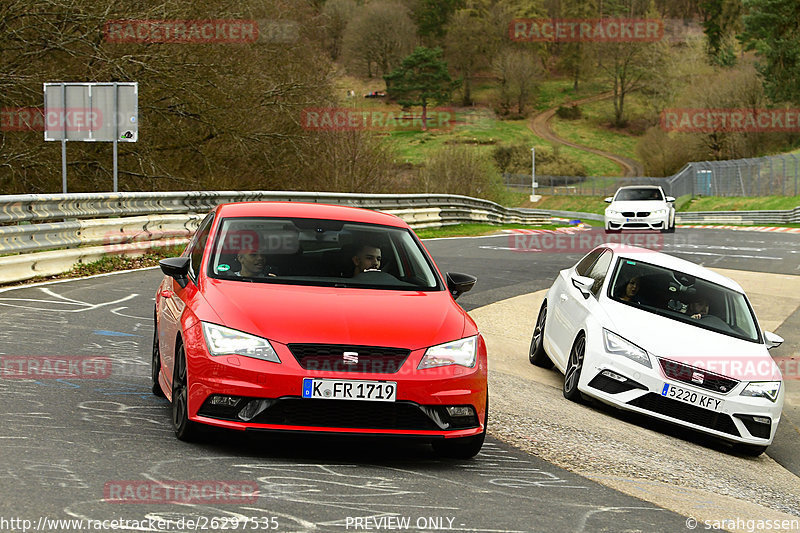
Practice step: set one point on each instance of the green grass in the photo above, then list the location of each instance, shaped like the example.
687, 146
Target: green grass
592, 130
595, 204
416, 147
581, 204
470, 230
735, 203
555, 92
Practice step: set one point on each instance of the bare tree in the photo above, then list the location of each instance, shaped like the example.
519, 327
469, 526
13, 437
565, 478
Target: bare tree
212, 115
379, 37
336, 15
518, 69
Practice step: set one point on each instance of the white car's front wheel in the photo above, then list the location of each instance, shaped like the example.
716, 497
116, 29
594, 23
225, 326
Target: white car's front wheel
574, 367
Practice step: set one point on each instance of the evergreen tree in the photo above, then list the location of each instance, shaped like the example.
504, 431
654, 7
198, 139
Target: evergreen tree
422, 78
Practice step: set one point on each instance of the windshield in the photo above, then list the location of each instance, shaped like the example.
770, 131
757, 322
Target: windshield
320, 252
629, 195
679, 296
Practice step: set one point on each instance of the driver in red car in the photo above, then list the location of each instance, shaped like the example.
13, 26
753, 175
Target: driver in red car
367, 257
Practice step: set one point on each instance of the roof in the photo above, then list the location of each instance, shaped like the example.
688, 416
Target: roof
309, 210
675, 263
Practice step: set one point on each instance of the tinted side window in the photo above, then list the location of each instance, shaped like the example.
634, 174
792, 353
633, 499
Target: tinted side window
198, 245
599, 270
587, 261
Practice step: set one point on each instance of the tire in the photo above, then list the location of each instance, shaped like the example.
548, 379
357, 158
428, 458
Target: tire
465, 447
751, 450
155, 364
185, 429
536, 354
573, 372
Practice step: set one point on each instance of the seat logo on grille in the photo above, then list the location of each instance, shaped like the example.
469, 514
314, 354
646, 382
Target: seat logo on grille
698, 378
350, 358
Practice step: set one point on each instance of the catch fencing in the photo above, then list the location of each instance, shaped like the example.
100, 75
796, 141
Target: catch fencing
777, 175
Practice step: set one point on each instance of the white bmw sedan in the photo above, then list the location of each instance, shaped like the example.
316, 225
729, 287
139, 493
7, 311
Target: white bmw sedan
641, 207
651, 333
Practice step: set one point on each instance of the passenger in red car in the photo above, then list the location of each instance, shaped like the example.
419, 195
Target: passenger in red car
254, 264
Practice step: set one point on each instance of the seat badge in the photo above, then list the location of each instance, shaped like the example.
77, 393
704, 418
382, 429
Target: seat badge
698, 378
350, 358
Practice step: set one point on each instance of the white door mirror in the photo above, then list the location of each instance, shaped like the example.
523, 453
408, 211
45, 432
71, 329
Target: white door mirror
773, 340
609, 199
583, 284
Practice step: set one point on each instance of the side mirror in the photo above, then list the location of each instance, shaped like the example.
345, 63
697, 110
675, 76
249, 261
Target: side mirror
583, 284
609, 199
458, 284
177, 268
670, 199
773, 340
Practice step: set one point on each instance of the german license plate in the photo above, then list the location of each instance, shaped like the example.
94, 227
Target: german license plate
343, 389
691, 397
634, 220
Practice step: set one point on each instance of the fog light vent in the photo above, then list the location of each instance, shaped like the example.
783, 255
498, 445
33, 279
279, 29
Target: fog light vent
253, 409
456, 411
762, 420
614, 376
225, 401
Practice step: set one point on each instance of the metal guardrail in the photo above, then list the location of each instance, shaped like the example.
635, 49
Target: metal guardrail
789, 216
49, 234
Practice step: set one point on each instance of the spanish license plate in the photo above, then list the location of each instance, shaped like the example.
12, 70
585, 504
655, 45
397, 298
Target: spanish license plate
343, 389
691, 397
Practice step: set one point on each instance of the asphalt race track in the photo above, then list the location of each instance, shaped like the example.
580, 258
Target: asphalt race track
70, 446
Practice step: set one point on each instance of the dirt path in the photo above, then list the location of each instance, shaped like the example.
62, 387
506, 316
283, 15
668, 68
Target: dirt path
540, 125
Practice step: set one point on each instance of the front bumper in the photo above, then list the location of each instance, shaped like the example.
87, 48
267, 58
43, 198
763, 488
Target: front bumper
739, 419
650, 222
419, 410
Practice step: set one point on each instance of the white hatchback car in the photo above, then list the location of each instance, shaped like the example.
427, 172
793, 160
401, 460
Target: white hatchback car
651, 333
641, 207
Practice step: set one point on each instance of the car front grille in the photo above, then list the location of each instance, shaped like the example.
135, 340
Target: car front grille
350, 414
366, 359
688, 413
643, 214
628, 214
697, 377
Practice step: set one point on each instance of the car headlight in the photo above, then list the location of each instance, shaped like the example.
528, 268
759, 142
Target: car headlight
763, 389
618, 346
226, 341
461, 352
611, 212
658, 212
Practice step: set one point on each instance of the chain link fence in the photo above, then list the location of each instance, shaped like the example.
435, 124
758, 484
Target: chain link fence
777, 175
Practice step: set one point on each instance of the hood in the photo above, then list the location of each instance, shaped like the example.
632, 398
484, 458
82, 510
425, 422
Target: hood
638, 205
693, 345
331, 315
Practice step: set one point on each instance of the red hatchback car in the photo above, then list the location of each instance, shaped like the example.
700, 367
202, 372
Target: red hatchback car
317, 318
